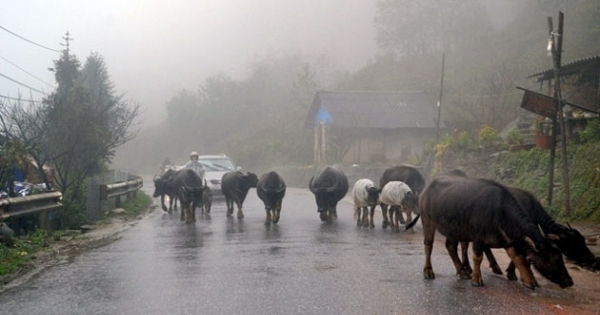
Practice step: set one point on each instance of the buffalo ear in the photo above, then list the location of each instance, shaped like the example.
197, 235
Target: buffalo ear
531, 244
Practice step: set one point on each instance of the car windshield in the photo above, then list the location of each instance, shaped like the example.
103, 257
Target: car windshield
217, 164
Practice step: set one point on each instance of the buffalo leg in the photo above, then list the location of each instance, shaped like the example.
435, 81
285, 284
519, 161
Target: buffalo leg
464, 246
428, 237
240, 213
229, 204
371, 222
268, 219
510, 272
358, 215
527, 277
476, 278
162, 202
277, 212
182, 215
384, 213
408, 219
365, 216
461, 271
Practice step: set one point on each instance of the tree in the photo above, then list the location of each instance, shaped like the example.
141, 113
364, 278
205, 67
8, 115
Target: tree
85, 121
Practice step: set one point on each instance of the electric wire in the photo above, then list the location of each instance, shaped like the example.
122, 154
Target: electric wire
27, 40
23, 84
19, 99
48, 84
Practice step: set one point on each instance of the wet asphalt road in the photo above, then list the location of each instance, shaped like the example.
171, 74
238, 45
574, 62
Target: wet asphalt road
221, 265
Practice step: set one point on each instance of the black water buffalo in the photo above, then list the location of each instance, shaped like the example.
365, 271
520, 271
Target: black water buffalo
189, 193
403, 173
271, 190
569, 240
163, 188
329, 187
235, 186
487, 214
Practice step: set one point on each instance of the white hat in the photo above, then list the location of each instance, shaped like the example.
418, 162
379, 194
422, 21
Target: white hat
193, 153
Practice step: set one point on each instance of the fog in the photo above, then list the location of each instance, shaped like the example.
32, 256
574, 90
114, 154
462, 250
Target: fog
154, 48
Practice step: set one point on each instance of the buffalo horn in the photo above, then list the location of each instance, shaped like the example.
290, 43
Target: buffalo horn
334, 187
280, 188
310, 186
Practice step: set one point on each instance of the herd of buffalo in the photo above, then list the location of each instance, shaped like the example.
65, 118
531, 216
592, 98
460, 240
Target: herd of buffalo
463, 209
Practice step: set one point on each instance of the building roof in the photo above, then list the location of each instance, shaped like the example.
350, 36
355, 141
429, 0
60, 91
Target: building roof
585, 66
382, 110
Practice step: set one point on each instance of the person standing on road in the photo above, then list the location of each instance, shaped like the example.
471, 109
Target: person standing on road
195, 165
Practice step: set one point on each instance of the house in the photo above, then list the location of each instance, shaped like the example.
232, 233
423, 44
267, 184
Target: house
370, 127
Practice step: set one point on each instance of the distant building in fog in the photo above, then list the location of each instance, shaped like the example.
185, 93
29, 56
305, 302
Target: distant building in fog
370, 127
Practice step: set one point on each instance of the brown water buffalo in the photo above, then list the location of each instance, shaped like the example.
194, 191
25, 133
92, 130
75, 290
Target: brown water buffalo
235, 186
271, 190
487, 214
329, 187
403, 173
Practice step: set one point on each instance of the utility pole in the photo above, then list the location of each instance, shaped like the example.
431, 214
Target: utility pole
439, 103
556, 48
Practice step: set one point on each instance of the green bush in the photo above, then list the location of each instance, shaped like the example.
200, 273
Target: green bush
591, 131
138, 204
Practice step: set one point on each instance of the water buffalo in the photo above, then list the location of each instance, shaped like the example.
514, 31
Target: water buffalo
404, 173
329, 187
487, 214
235, 186
365, 195
189, 193
570, 241
163, 187
271, 190
398, 195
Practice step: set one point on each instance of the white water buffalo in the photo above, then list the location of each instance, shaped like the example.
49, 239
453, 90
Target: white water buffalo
365, 195
401, 198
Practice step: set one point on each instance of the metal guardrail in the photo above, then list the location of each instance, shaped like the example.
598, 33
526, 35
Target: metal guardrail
20, 206
128, 188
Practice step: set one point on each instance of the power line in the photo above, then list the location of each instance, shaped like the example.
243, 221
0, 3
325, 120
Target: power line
48, 84
19, 99
27, 40
23, 84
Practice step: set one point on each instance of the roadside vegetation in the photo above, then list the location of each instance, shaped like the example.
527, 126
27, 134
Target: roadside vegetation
487, 155
19, 251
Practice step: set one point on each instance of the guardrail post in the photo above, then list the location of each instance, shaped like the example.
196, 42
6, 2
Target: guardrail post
44, 221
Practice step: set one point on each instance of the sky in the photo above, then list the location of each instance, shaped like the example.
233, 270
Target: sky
153, 49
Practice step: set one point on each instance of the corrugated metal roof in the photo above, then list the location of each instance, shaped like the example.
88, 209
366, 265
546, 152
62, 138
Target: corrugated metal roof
386, 110
568, 69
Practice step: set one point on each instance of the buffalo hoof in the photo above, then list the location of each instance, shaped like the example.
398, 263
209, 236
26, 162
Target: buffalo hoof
164, 208
511, 275
464, 274
428, 274
372, 226
477, 283
531, 286
496, 269
324, 217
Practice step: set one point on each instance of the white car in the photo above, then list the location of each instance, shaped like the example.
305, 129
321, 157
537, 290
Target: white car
214, 168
